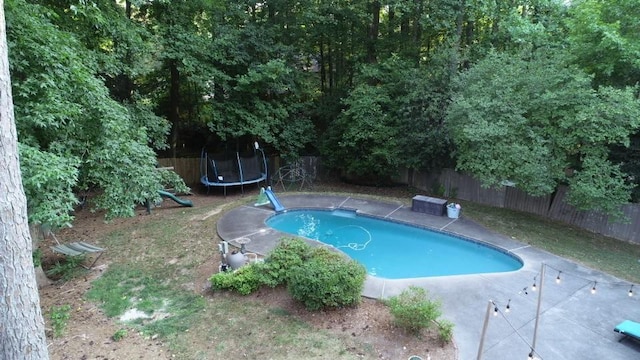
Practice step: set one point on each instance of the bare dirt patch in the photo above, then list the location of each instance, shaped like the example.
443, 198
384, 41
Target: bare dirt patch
89, 333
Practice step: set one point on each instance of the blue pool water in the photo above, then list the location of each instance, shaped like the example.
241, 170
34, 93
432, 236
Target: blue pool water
392, 250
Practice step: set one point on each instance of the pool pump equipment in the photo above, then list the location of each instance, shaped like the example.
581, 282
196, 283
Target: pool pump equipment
223, 247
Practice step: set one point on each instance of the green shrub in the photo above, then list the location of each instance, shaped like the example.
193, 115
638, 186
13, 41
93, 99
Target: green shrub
438, 189
37, 257
119, 334
67, 269
59, 317
287, 255
445, 331
327, 279
244, 280
171, 180
412, 310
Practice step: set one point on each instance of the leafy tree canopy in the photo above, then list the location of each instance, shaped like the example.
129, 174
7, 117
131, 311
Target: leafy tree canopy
73, 135
260, 88
537, 122
605, 40
371, 82
393, 117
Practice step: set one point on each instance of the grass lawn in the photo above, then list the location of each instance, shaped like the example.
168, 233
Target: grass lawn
158, 263
612, 256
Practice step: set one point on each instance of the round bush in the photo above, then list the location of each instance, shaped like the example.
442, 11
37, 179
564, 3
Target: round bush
327, 279
412, 310
244, 280
287, 255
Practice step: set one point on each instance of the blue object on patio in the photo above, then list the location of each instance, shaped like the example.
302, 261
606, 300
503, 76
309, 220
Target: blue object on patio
629, 329
232, 169
277, 206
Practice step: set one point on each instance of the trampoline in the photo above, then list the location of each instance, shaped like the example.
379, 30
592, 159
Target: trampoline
232, 168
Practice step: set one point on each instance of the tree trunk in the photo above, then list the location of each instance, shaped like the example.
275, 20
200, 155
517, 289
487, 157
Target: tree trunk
455, 54
21, 324
39, 233
322, 65
330, 65
41, 278
127, 9
417, 37
372, 56
174, 105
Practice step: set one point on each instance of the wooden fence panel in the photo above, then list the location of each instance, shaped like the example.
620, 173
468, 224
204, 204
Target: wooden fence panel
562, 211
187, 168
597, 222
464, 187
517, 199
630, 230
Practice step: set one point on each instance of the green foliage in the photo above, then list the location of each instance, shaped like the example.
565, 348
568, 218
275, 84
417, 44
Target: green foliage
327, 280
531, 119
37, 257
445, 330
605, 41
438, 189
270, 101
286, 256
119, 334
318, 277
73, 135
525, 29
67, 269
412, 310
122, 288
171, 180
367, 142
48, 181
59, 318
362, 141
155, 128
424, 142
244, 280
393, 117
125, 171
600, 185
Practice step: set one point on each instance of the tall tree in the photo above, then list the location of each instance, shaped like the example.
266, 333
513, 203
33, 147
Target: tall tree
21, 324
393, 117
260, 86
73, 134
183, 31
537, 122
605, 40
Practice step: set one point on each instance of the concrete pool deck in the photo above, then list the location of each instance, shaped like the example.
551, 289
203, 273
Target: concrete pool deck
573, 322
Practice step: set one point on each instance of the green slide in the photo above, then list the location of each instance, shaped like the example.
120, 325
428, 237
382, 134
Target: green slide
175, 198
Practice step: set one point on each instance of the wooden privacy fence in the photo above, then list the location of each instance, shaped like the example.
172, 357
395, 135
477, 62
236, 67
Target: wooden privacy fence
187, 168
467, 188
464, 187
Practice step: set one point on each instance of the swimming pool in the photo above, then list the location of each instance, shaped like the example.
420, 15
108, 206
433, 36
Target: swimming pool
393, 250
